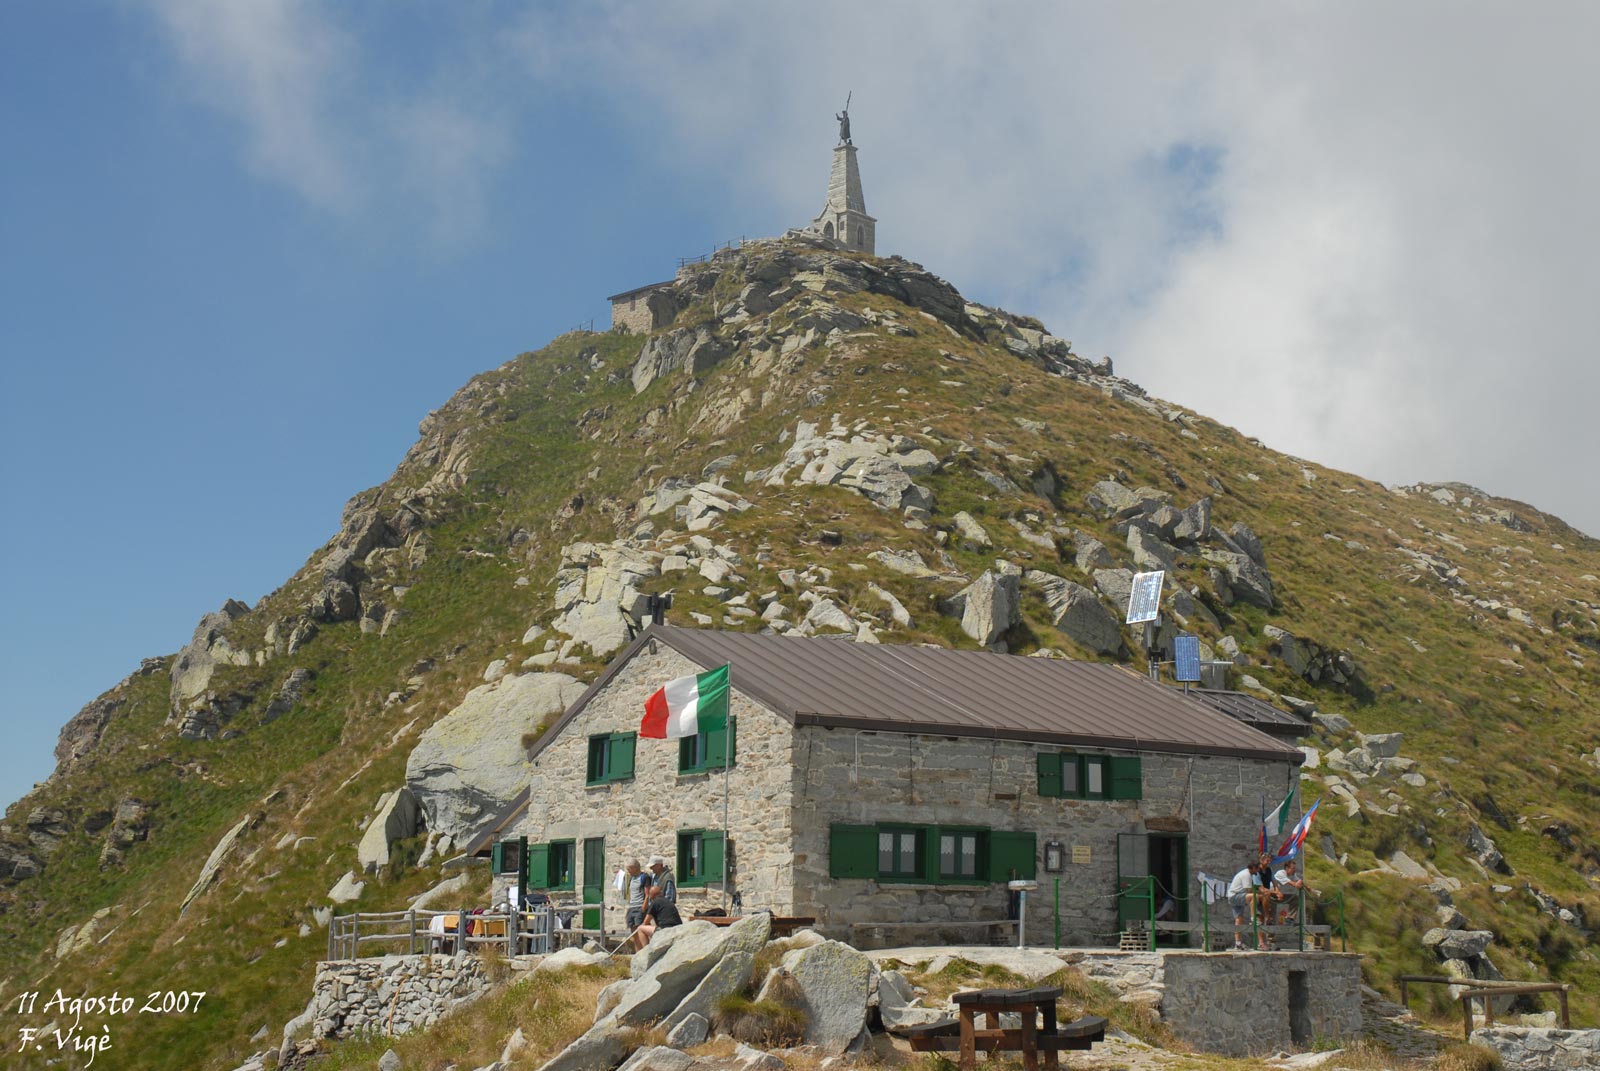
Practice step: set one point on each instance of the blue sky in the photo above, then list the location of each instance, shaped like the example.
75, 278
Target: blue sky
244, 248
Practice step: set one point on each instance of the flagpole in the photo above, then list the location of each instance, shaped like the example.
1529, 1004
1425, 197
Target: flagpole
727, 768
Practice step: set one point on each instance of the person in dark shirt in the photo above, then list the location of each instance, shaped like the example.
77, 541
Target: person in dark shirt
661, 902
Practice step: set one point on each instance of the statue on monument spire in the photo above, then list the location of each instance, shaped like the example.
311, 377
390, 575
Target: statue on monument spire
844, 120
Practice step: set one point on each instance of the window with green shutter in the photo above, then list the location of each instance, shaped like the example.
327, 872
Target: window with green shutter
1012, 855
1126, 777
538, 866
1095, 782
900, 852
962, 853
710, 750
497, 857
1049, 766
700, 856
1089, 777
852, 851
610, 758
562, 855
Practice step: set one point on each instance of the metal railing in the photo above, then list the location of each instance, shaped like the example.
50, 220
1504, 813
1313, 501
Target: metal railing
1144, 890
533, 931
732, 243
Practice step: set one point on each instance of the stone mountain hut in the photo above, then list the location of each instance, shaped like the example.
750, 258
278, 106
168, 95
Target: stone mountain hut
879, 784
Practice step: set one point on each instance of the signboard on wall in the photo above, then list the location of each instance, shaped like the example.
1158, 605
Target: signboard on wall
1080, 853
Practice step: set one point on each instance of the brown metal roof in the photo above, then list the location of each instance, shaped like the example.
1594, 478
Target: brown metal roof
1254, 712
639, 290
936, 690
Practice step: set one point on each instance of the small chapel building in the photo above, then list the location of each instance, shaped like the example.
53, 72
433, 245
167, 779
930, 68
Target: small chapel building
868, 784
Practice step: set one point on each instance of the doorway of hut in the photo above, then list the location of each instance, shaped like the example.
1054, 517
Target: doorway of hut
1153, 879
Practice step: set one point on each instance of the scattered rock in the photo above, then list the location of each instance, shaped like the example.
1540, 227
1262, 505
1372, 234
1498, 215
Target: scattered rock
397, 817
988, 607
468, 765
1078, 612
835, 981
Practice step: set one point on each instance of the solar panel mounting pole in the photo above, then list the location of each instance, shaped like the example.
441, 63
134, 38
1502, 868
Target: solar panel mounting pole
727, 768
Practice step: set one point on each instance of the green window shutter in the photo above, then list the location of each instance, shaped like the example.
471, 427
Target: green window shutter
1012, 851
497, 858
1049, 773
719, 745
622, 755
538, 866
711, 855
853, 851
1125, 778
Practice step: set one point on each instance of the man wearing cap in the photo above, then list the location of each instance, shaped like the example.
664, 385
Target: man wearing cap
661, 901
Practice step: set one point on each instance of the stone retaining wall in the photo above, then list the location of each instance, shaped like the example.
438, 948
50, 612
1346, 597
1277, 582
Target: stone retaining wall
1243, 1003
392, 995
1238, 1003
1529, 1048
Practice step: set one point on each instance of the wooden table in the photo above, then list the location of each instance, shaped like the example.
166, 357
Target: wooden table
782, 925
1038, 1031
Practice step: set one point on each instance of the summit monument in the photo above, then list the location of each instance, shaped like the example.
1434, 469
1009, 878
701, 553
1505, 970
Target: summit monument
844, 217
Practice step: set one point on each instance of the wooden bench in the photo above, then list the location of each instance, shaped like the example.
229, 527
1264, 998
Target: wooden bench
1038, 1032
948, 924
782, 925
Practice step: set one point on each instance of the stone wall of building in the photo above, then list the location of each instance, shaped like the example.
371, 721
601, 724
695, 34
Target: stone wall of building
870, 778
642, 816
1528, 1048
1251, 1003
642, 313
392, 995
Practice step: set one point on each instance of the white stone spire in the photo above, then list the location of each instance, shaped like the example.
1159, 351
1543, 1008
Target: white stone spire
844, 218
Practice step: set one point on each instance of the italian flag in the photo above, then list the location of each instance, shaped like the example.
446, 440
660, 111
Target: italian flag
687, 706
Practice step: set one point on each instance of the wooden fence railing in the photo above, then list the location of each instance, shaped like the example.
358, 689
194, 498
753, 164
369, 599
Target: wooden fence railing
380, 933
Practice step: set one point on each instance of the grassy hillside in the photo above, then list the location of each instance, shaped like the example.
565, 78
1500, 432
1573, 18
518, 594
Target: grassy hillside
1475, 623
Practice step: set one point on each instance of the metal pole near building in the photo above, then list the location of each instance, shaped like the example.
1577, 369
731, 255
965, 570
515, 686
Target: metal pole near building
727, 771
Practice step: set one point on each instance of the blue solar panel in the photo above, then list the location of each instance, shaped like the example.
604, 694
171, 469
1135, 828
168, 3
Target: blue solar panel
1186, 655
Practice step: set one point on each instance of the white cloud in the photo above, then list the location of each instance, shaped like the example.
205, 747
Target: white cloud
1382, 260
273, 68
320, 116
1359, 231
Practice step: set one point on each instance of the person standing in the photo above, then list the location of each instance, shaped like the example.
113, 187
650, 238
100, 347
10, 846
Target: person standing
636, 888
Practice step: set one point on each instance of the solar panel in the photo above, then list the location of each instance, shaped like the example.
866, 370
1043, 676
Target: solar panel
1186, 656
1144, 599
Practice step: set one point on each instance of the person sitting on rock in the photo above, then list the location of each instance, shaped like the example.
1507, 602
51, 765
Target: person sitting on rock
661, 901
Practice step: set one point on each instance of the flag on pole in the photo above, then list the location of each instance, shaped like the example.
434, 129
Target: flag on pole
687, 706
1282, 812
1297, 836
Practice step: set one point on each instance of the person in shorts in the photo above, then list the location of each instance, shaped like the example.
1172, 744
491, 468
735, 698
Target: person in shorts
1241, 897
636, 887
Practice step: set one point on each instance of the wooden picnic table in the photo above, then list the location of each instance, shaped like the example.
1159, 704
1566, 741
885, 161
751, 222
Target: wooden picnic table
782, 925
1038, 1031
